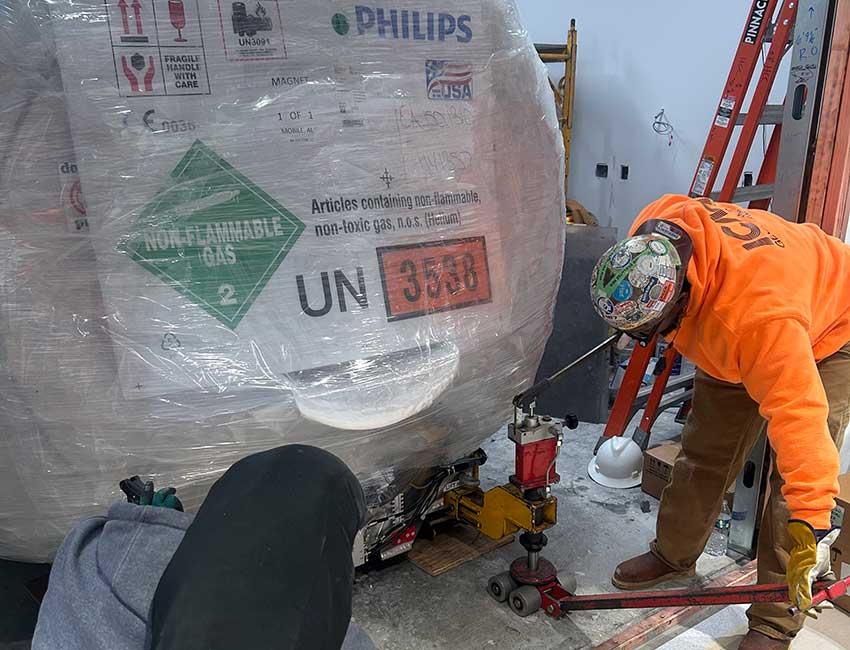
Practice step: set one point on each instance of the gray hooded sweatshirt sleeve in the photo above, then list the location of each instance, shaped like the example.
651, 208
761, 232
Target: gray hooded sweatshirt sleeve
104, 577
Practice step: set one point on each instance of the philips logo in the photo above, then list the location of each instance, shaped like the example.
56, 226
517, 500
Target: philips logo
448, 80
406, 24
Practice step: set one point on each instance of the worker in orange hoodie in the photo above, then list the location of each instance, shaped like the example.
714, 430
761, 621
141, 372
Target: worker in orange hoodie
762, 307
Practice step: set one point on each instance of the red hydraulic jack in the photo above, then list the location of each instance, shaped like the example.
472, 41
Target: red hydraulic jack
527, 504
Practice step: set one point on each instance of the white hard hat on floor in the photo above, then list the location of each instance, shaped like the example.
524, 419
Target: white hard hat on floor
617, 464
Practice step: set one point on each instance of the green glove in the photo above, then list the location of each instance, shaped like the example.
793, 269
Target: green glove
146, 497
809, 561
164, 498
167, 498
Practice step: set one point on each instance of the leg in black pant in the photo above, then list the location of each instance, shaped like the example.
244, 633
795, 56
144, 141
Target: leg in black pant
267, 561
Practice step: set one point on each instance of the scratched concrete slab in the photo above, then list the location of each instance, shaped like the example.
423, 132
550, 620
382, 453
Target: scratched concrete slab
725, 629
403, 608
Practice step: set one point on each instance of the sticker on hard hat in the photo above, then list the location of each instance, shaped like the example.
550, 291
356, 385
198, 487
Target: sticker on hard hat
638, 279
605, 306
655, 305
635, 246
648, 265
657, 247
653, 292
621, 259
666, 271
667, 230
627, 310
623, 291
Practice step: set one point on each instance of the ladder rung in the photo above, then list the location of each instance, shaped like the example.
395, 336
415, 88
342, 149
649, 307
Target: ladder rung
550, 48
768, 33
749, 193
772, 114
768, 38
674, 383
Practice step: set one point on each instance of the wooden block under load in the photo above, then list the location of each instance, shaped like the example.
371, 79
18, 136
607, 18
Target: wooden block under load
452, 548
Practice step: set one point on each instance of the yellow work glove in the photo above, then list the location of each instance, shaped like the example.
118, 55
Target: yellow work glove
809, 561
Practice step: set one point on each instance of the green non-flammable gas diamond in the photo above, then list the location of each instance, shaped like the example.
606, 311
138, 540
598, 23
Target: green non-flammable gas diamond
213, 235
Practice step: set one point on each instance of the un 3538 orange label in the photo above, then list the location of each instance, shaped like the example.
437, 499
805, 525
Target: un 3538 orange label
437, 276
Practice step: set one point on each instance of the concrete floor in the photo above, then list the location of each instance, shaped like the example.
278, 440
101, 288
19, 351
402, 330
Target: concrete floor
404, 608
725, 629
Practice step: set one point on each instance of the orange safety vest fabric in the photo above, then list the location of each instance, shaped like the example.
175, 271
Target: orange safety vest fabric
769, 299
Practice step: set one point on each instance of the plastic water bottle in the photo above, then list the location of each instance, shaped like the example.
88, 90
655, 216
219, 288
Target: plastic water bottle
719, 540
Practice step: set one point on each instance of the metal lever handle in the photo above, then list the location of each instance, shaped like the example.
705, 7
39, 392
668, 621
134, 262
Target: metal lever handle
827, 593
529, 395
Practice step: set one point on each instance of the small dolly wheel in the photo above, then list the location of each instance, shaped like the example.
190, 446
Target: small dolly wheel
500, 586
525, 600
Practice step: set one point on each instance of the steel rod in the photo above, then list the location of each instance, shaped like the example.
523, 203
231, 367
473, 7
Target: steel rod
609, 341
773, 593
529, 395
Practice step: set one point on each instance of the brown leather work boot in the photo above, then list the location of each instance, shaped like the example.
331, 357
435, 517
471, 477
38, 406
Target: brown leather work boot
758, 641
645, 571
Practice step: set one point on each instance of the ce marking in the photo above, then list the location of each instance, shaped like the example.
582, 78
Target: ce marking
147, 118
166, 125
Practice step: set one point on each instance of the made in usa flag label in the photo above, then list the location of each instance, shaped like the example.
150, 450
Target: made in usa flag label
448, 80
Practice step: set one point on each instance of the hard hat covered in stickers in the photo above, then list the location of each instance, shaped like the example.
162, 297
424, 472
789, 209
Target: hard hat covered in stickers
637, 283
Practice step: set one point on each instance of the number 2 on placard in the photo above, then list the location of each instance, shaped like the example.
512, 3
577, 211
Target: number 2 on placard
227, 292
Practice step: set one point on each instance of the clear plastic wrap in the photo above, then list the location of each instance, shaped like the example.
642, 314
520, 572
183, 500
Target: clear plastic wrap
227, 226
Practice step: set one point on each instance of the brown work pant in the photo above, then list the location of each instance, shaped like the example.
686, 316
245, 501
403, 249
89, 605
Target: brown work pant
718, 437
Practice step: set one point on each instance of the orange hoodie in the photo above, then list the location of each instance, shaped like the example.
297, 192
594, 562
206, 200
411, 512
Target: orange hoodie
769, 299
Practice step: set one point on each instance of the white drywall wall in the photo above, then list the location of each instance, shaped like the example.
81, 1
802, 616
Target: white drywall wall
635, 58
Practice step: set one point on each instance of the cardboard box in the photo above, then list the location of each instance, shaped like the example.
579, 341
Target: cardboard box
658, 470
658, 467
841, 548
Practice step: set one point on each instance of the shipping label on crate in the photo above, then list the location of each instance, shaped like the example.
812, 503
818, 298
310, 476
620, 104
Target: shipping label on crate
214, 236
264, 203
430, 277
157, 47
